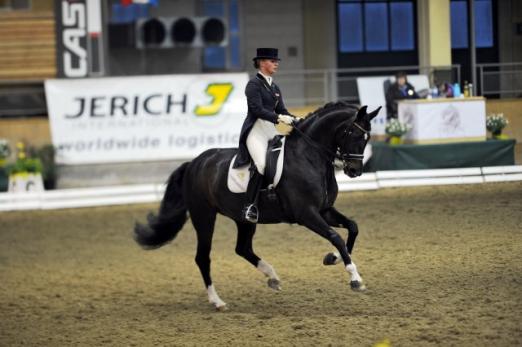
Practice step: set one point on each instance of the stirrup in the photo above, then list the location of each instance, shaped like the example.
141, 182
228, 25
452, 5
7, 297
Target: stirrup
251, 214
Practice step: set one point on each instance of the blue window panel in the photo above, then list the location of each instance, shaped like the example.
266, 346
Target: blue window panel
483, 24
459, 24
235, 54
402, 31
376, 26
141, 11
126, 14
214, 57
234, 43
117, 14
122, 14
233, 17
214, 8
350, 27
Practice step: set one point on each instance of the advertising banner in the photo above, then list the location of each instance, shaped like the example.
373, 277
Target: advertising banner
79, 38
123, 119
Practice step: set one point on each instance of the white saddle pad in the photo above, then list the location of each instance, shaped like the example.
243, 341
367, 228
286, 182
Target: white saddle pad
237, 179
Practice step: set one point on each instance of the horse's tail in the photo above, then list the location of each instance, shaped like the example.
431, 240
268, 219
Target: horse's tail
172, 216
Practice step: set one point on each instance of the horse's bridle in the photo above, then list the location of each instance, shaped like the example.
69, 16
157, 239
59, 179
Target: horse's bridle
353, 156
344, 157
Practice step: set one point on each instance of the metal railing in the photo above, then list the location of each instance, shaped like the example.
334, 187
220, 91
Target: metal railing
318, 86
500, 79
308, 87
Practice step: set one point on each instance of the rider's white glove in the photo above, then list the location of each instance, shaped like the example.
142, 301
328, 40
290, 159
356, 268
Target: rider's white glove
282, 118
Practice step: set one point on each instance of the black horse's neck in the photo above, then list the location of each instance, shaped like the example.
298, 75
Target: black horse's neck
323, 125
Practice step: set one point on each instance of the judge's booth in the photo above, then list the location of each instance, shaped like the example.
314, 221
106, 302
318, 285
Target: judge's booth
445, 132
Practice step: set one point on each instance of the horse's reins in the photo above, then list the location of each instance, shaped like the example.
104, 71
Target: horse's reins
320, 148
340, 156
317, 146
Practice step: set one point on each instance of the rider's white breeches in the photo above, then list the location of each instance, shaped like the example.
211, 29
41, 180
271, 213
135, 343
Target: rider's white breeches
257, 142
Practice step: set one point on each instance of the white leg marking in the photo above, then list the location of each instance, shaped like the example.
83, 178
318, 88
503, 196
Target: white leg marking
214, 298
267, 269
338, 258
352, 269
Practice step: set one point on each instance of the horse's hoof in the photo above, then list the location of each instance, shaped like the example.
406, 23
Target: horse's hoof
357, 286
222, 308
274, 284
330, 259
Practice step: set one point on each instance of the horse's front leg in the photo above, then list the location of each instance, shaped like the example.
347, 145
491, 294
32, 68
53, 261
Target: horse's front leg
335, 218
315, 222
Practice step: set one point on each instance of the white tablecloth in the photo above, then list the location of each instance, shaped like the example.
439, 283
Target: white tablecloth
444, 120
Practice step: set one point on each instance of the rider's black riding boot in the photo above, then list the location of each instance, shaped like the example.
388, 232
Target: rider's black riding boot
250, 212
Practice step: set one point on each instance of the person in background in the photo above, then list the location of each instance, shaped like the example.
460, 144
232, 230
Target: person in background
445, 90
265, 109
399, 90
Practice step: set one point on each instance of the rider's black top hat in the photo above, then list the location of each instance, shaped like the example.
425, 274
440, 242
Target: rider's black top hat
267, 53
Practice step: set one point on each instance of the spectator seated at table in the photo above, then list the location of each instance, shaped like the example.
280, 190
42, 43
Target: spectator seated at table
399, 90
445, 90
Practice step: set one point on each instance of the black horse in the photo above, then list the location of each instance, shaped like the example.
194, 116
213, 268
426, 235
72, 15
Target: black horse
306, 193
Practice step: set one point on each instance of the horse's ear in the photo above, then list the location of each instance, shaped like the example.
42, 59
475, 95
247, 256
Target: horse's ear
362, 112
374, 114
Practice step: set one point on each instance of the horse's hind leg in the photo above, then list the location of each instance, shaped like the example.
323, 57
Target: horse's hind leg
244, 248
203, 221
336, 219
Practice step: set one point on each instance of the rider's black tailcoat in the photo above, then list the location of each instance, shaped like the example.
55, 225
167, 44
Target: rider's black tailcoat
264, 102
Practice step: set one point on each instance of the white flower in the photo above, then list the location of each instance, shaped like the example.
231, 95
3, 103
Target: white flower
496, 122
396, 128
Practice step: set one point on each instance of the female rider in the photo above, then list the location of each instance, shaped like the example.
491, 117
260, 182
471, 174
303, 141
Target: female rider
265, 110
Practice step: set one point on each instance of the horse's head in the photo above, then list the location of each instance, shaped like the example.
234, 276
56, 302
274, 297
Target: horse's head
352, 139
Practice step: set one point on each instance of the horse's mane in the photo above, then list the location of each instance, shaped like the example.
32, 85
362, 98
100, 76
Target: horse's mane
329, 107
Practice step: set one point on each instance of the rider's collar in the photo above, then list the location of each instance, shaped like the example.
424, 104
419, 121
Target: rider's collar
267, 78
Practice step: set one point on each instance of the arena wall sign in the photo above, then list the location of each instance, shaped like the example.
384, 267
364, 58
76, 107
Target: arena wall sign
79, 39
125, 119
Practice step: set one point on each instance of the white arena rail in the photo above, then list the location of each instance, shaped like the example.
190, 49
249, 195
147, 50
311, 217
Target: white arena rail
150, 193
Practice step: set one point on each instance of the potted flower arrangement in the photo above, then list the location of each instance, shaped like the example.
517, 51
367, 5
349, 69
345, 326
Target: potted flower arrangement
25, 174
395, 130
495, 123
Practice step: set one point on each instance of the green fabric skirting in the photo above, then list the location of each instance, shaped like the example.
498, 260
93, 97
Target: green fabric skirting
439, 156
